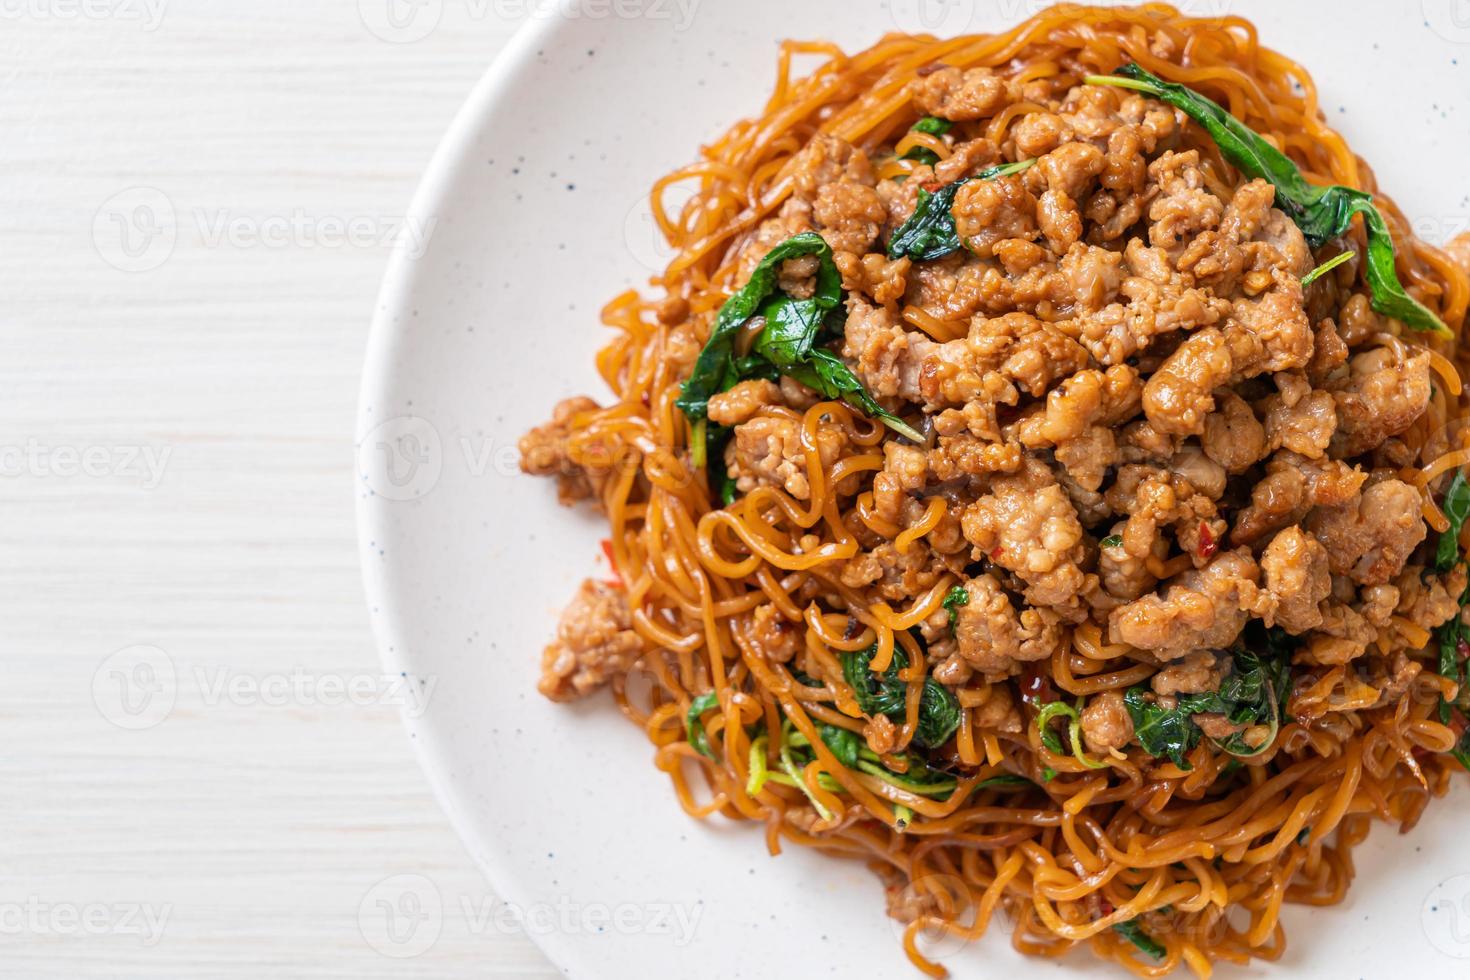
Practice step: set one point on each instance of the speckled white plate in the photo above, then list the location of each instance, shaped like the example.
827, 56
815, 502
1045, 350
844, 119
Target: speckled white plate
535, 202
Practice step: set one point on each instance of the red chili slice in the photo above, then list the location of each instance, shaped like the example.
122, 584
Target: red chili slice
1207, 543
617, 580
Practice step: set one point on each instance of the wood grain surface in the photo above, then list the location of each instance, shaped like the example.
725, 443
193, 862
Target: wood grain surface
201, 772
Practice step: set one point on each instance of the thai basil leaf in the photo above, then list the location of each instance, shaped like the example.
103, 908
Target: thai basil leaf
694, 727
793, 326
1254, 693
953, 599
1134, 933
1456, 509
1322, 213
824, 373
887, 693
787, 345
1161, 732
1111, 541
931, 126
1007, 781
717, 369
1388, 294
1451, 635
845, 744
929, 233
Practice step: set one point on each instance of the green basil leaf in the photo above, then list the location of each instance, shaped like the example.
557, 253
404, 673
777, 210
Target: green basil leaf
716, 369
887, 693
844, 744
932, 126
787, 345
1254, 693
1321, 212
1456, 509
694, 727
824, 372
929, 233
953, 599
1134, 933
1451, 635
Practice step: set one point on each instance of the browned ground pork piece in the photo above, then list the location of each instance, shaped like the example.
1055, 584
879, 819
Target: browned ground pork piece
1385, 392
594, 643
1197, 673
743, 401
767, 450
1203, 609
952, 93
1233, 436
1371, 536
1028, 525
1106, 723
773, 634
546, 451
992, 637
1298, 578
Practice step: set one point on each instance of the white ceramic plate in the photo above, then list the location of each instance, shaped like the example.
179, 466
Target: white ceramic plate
536, 204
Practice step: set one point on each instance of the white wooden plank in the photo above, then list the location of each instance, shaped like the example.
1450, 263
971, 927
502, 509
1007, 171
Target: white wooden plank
258, 828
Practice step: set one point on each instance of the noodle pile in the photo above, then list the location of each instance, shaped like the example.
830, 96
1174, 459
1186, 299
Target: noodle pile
1203, 859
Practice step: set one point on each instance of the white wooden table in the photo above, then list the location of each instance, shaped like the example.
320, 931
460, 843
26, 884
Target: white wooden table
176, 472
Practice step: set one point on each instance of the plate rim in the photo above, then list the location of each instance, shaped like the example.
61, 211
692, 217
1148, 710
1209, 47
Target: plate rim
430, 198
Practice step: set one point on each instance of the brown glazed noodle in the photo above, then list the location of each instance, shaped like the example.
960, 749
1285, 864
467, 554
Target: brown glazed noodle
1146, 445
